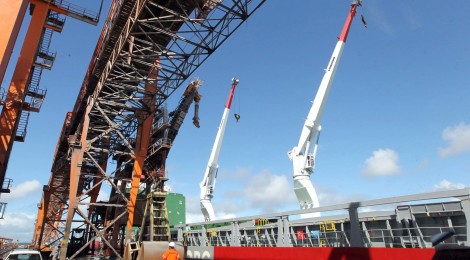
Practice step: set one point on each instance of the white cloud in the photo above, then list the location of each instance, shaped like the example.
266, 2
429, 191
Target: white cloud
413, 20
18, 226
240, 174
198, 217
384, 162
423, 165
222, 211
328, 196
223, 215
269, 192
366, 209
380, 20
458, 138
22, 190
194, 218
193, 210
447, 185
102, 196
260, 193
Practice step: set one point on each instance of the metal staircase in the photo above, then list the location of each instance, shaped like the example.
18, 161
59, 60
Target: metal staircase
35, 95
5, 188
22, 126
44, 58
55, 21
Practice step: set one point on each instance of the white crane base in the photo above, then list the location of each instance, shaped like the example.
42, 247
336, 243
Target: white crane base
207, 210
306, 195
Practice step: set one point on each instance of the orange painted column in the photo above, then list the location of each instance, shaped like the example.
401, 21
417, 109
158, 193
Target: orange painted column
141, 147
12, 14
94, 193
39, 226
11, 112
76, 160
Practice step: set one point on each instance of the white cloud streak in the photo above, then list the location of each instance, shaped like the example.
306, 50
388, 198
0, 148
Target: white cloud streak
260, 193
269, 192
458, 138
447, 185
328, 196
18, 226
381, 21
383, 162
222, 211
22, 190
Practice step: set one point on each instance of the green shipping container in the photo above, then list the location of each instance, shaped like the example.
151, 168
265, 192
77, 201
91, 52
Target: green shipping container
176, 206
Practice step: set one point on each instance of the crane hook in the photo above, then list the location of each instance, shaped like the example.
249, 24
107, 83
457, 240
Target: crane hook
196, 114
237, 117
364, 20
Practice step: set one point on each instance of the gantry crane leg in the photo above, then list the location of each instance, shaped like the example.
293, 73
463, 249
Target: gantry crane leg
12, 15
39, 223
78, 149
9, 118
141, 146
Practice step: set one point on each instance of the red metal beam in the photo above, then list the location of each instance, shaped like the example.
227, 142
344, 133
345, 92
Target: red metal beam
337, 253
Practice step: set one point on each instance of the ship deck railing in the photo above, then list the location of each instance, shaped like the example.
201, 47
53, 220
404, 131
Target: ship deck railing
381, 238
410, 222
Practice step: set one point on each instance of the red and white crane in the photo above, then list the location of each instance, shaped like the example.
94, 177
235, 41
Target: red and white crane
208, 183
303, 161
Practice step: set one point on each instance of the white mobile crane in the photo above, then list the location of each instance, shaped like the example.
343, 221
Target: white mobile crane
208, 183
303, 161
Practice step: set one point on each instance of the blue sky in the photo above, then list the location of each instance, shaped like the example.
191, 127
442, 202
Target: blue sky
396, 121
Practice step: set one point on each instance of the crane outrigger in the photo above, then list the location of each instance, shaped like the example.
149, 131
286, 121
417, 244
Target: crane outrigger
208, 182
303, 161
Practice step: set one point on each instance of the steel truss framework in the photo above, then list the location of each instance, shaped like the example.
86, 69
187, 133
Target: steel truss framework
147, 49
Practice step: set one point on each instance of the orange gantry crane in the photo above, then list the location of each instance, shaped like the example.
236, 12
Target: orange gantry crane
115, 141
24, 94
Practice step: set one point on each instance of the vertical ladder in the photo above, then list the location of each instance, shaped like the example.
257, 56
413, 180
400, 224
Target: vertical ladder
155, 224
325, 226
161, 225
